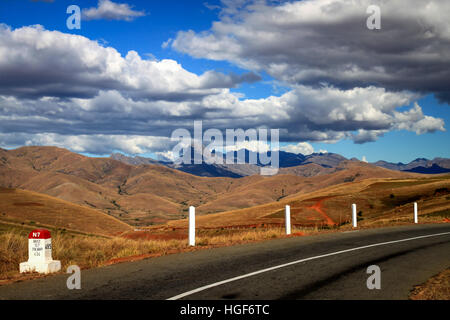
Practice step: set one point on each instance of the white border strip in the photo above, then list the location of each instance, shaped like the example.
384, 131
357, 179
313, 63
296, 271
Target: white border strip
188, 293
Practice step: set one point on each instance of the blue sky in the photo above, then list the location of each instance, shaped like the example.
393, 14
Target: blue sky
390, 135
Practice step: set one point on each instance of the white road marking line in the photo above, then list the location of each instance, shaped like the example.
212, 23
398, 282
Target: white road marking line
216, 284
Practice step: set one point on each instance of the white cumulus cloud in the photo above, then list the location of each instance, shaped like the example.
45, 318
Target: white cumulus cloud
110, 10
302, 147
70, 91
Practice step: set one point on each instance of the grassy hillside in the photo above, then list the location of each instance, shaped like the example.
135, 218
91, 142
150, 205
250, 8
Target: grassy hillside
377, 200
34, 209
153, 194
84, 234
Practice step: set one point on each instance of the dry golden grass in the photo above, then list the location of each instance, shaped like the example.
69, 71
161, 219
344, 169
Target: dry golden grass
91, 251
13, 250
436, 288
245, 236
94, 251
84, 251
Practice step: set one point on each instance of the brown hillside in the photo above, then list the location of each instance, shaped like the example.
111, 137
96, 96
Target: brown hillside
149, 194
376, 199
31, 208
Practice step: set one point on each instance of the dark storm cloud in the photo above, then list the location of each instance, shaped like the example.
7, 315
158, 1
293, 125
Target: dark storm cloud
327, 41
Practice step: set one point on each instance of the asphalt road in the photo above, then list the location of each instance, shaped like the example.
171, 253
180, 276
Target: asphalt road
331, 266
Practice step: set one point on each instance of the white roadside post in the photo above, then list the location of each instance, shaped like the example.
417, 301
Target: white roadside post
40, 254
288, 220
416, 218
192, 226
354, 218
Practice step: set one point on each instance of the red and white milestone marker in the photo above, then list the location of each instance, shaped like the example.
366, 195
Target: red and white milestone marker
40, 253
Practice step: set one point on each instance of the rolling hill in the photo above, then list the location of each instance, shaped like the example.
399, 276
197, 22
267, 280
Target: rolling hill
377, 199
153, 193
34, 209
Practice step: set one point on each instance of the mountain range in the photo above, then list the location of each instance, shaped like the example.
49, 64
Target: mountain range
419, 165
286, 160
244, 168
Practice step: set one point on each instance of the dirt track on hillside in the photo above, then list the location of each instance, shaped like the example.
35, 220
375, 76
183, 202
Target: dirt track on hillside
319, 208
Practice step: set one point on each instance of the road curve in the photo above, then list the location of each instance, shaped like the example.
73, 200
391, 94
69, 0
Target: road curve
329, 266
